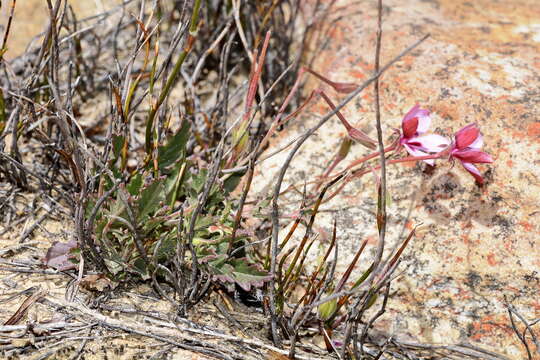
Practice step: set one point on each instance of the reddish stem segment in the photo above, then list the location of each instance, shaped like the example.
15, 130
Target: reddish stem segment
340, 87
392, 147
370, 156
354, 133
394, 161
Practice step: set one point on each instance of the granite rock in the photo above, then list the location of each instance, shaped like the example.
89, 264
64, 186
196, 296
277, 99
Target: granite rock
479, 245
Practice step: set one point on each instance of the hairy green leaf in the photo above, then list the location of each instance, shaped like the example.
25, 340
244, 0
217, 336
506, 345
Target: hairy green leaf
150, 199
135, 184
247, 275
175, 147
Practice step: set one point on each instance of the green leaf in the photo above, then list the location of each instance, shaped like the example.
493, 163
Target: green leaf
135, 184
363, 277
206, 255
224, 274
215, 198
232, 182
247, 275
113, 266
118, 208
327, 309
226, 212
202, 223
174, 182
371, 301
140, 267
220, 262
240, 136
151, 197
90, 203
152, 223
117, 144
100, 226
175, 147
198, 181
109, 182
167, 247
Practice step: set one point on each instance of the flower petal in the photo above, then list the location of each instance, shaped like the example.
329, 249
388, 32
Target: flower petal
473, 171
412, 113
409, 127
478, 143
432, 142
430, 162
466, 136
423, 118
414, 151
473, 156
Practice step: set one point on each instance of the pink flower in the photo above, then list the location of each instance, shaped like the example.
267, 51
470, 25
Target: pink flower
466, 148
414, 125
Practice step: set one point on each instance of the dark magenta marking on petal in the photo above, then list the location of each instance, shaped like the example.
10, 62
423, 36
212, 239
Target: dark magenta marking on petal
466, 136
409, 127
473, 156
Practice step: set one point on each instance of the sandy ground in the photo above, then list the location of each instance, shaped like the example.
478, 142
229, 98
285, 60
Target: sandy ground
32, 15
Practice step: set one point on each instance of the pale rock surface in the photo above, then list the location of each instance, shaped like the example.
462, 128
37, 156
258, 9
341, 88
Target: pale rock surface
480, 244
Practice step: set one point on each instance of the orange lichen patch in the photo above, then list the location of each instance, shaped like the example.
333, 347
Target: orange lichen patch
367, 96
409, 225
319, 108
490, 325
357, 74
363, 110
533, 129
466, 225
365, 66
463, 294
491, 259
519, 134
336, 34
408, 60
527, 226
502, 149
446, 110
508, 246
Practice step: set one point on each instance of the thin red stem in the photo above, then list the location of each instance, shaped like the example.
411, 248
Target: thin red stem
319, 76
344, 121
395, 161
370, 156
